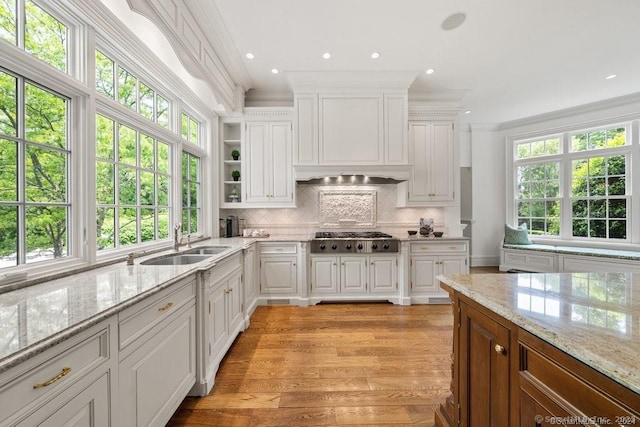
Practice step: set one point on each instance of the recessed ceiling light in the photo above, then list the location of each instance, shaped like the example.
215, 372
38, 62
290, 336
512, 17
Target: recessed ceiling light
610, 76
468, 112
375, 55
275, 70
430, 71
454, 21
326, 55
250, 55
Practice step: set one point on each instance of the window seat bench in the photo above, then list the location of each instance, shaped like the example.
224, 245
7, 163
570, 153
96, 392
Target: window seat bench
557, 259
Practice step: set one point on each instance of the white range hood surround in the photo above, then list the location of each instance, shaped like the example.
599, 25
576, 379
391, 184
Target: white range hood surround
351, 123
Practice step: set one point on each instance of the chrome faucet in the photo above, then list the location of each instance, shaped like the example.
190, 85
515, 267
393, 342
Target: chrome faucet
177, 242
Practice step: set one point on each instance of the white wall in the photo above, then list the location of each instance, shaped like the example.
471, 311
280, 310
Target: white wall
488, 189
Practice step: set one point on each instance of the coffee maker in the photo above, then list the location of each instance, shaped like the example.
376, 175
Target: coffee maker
233, 226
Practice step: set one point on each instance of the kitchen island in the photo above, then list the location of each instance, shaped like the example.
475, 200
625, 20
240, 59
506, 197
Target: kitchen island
544, 349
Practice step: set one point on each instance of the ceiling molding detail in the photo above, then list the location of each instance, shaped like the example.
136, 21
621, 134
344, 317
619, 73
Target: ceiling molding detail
438, 112
197, 52
267, 113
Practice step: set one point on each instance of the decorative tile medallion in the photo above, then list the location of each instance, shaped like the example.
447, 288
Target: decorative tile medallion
348, 208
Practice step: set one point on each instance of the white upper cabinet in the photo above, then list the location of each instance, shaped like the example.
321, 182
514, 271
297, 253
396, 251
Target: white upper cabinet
431, 148
268, 158
351, 129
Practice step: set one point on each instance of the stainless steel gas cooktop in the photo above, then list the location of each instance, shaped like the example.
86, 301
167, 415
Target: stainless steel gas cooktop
353, 242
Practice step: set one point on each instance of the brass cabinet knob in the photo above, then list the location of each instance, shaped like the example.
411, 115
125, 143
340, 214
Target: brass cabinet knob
500, 349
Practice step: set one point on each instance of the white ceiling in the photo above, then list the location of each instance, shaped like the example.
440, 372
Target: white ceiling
510, 59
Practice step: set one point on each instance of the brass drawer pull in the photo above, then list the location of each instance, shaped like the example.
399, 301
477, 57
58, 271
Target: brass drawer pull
64, 372
166, 307
499, 349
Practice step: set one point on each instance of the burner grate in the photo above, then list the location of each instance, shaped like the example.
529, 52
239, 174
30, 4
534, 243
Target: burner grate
352, 235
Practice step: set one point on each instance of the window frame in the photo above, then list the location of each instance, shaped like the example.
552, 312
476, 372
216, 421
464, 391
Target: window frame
566, 156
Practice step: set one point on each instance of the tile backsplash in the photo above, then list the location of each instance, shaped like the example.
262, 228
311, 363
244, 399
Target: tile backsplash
307, 216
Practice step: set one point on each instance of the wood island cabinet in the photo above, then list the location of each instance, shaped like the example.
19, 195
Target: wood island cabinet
502, 375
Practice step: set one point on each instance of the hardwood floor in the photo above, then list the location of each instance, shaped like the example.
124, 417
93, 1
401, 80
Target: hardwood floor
331, 365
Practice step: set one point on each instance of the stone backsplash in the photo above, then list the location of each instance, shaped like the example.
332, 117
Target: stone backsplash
313, 202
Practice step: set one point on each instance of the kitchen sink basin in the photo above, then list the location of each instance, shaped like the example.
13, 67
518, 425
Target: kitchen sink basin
207, 250
178, 259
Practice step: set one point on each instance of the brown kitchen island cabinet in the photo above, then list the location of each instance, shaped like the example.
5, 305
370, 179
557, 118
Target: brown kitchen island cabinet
505, 375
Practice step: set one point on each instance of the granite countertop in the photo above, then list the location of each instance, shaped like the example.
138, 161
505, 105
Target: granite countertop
37, 317
593, 317
418, 238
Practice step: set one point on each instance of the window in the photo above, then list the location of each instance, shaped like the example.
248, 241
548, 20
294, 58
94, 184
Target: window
132, 185
190, 192
116, 82
34, 162
190, 129
38, 32
574, 185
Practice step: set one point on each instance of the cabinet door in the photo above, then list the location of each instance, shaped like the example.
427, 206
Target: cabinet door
217, 318
382, 274
156, 377
234, 302
280, 166
278, 275
258, 161
420, 153
431, 149
353, 275
453, 265
441, 162
324, 275
249, 281
483, 364
423, 274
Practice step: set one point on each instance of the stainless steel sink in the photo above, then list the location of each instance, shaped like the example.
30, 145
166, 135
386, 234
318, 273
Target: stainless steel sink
177, 259
207, 250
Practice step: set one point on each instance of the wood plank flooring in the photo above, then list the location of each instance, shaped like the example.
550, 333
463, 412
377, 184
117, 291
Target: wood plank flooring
332, 365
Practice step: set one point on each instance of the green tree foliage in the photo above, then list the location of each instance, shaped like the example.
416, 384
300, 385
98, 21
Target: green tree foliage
43, 138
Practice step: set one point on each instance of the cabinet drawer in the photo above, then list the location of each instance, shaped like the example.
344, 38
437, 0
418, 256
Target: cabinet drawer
137, 320
571, 385
278, 248
530, 261
438, 247
226, 266
51, 372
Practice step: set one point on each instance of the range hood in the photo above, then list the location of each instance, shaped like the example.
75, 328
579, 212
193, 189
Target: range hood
357, 174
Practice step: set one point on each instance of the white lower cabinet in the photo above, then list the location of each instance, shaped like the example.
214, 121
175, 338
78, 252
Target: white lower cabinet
430, 259
278, 269
67, 384
78, 408
222, 316
158, 368
353, 275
